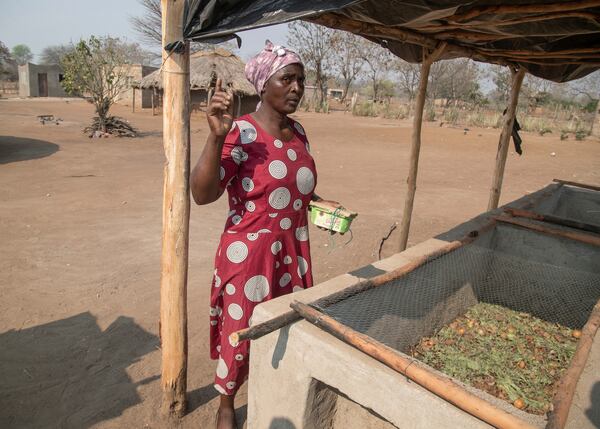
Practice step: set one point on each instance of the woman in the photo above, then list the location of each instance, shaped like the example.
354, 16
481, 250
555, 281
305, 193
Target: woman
263, 161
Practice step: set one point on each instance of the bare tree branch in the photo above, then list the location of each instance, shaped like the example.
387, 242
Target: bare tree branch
314, 44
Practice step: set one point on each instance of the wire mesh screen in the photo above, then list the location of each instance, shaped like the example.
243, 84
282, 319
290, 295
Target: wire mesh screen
402, 311
576, 204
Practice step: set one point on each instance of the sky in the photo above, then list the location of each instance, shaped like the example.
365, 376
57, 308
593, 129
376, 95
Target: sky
41, 23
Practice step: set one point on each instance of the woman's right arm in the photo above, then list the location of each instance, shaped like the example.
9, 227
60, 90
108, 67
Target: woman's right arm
205, 178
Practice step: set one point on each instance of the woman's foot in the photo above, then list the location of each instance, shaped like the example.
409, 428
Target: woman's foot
226, 419
226, 414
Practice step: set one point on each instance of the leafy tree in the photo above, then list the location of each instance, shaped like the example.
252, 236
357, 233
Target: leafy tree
8, 66
22, 54
98, 68
53, 54
314, 44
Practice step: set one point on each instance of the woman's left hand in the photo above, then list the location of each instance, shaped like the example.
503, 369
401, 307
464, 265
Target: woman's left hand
331, 205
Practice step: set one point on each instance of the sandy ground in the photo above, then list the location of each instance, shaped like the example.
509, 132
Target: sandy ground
80, 228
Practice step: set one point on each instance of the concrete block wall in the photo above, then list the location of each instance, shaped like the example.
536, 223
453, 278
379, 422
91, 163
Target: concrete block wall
28, 80
318, 381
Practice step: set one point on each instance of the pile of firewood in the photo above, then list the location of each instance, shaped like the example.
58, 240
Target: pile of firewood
115, 126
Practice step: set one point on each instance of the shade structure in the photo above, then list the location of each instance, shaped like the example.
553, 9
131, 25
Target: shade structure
552, 40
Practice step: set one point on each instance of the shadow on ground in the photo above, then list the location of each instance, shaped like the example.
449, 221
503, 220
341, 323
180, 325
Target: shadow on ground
13, 149
593, 413
69, 373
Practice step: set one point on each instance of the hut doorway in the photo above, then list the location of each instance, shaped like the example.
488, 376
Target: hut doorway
42, 84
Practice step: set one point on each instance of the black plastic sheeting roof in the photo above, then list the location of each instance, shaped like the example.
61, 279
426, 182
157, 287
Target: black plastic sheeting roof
489, 34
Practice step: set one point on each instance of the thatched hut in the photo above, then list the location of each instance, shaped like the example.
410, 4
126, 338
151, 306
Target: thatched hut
204, 66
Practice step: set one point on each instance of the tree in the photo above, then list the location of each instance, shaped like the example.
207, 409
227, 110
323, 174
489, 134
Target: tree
455, 80
501, 77
22, 54
346, 59
98, 68
53, 54
586, 88
409, 76
314, 44
8, 66
149, 28
378, 63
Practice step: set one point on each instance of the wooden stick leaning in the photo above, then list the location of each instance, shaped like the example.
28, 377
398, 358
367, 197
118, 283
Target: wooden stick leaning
568, 382
261, 329
415, 147
504, 142
553, 219
594, 240
578, 185
442, 386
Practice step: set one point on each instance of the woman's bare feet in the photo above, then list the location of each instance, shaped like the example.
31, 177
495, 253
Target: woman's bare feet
226, 413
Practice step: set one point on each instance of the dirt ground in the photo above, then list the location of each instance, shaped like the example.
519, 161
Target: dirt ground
80, 228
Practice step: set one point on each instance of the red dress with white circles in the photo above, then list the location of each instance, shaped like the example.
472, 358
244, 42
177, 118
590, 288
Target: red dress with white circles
264, 251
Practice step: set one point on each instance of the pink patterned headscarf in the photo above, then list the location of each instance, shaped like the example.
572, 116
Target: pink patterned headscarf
268, 62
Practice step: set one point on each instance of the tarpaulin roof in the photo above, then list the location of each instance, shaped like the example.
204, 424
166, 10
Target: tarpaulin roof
552, 40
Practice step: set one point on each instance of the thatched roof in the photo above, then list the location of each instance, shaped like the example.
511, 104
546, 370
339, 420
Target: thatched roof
203, 64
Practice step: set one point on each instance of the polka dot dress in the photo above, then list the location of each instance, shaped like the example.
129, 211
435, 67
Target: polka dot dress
264, 251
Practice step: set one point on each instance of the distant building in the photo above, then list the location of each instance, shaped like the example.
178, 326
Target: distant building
335, 93
135, 73
205, 67
40, 81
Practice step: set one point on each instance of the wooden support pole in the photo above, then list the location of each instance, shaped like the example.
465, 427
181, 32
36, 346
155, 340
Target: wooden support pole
441, 385
176, 212
153, 96
509, 119
415, 148
133, 101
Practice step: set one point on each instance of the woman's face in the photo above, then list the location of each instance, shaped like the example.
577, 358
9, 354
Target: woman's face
285, 88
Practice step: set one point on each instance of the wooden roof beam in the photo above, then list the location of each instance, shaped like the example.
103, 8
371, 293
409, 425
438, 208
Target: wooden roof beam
535, 18
506, 58
340, 22
524, 8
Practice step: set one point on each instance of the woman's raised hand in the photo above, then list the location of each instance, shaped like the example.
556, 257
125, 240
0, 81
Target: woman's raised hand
220, 111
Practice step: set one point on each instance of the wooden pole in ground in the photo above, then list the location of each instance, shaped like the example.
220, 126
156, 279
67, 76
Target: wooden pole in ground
176, 212
509, 119
133, 101
153, 95
415, 148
